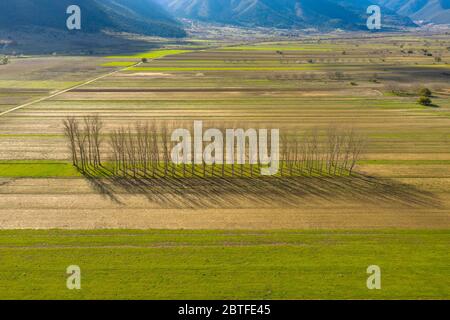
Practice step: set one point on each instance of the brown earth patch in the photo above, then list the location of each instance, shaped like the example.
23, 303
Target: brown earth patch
197, 204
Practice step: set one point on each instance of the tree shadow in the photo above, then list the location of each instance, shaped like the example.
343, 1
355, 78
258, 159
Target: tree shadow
5, 182
267, 192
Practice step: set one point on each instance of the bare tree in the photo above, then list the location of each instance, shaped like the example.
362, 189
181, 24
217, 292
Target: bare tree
315, 149
115, 151
165, 147
123, 162
145, 149
339, 144
332, 148
80, 138
89, 142
348, 141
291, 155
70, 129
96, 128
357, 146
284, 152
153, 146
131, 153
142, 147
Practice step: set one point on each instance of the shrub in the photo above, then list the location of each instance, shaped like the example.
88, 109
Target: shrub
425, 101
144, 60
4, 60
425, 92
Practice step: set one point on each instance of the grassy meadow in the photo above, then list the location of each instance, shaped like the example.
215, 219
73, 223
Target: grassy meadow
125, 264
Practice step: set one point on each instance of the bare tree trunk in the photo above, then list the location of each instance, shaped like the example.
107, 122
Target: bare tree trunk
165, 147
284, 148
347, 151
115, 150
70, 127
88, 133
97, 127
291, 156
80, 137
122, 149
131, 151
332, 136
141, 147
155, 149
339, 140
357, 148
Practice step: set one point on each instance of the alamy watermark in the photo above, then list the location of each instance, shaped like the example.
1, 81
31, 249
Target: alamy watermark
374, 280
189, 148
73, 281
374, 20
74, 20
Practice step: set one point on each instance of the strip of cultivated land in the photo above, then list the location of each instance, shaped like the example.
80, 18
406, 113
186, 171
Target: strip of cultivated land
295, 86
224, 265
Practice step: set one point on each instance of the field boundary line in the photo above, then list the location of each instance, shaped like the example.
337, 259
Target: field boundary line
66, 90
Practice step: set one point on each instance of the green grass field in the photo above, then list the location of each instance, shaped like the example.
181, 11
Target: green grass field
37, 169
261, 68
282, 47
65, 169
62, 169
224, 264
154, 54
119, 64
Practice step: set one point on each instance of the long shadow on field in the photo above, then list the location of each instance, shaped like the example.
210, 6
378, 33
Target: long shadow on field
262, 192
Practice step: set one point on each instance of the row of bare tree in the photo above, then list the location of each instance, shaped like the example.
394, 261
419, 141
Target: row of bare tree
140, 150
333, 152
144, 150
84, 141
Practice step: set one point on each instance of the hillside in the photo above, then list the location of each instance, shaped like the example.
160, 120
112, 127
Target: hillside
134, 16
321, 14
435, 11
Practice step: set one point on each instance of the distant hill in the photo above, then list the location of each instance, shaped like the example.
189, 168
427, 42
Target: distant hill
134, 16
435, 11
322, 14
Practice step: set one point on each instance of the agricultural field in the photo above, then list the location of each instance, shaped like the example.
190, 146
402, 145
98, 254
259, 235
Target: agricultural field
124, 264
394, 210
